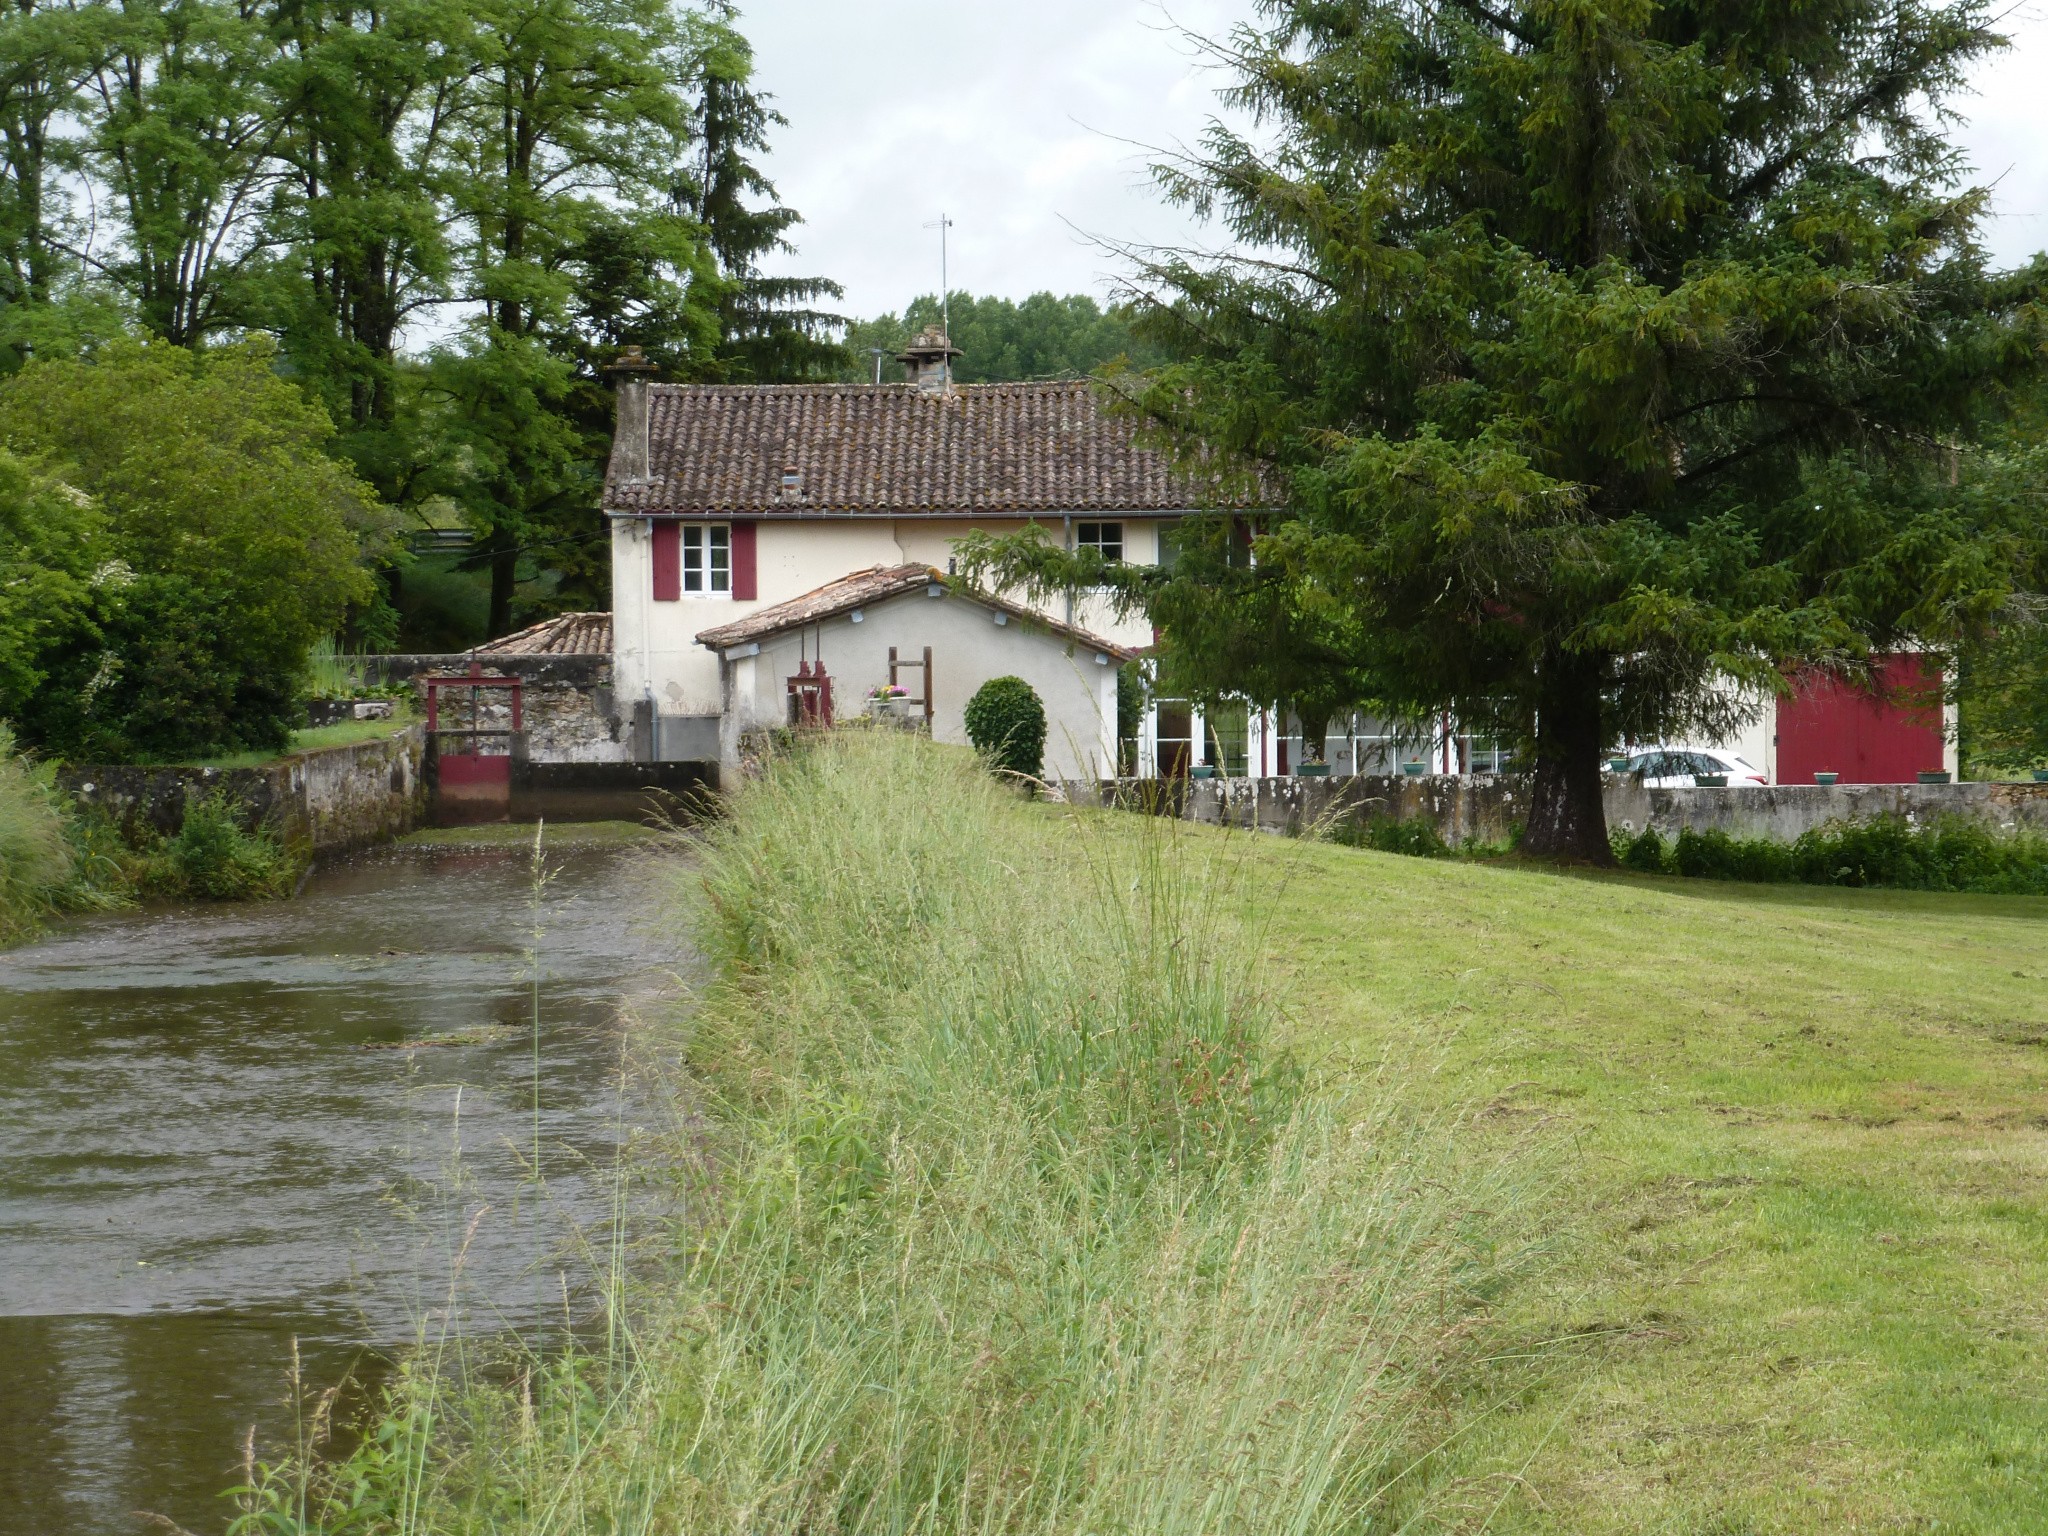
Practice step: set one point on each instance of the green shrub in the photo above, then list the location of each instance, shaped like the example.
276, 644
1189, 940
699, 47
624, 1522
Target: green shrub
216, 858
1417, 837
1947, 854
1006, 723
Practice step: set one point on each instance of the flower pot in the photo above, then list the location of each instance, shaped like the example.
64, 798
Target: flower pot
1617, 765
1934, 776
2041, 775
1710, 780
1202, 771
1414, 770
1825, 778
1312, 770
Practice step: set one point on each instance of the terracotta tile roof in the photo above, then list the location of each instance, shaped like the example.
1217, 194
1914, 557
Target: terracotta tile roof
721, 450
878, 584
568, 634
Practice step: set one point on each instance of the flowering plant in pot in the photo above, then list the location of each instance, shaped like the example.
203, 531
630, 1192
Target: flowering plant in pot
890, 701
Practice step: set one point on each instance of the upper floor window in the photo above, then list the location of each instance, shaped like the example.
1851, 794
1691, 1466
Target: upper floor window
707, 558
1106, 539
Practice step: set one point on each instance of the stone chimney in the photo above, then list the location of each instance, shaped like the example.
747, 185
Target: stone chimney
630, 371
929, 359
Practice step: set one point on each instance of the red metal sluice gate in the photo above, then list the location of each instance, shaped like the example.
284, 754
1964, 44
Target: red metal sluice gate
473, 784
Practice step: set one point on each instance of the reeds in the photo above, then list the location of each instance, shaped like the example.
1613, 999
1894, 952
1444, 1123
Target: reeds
1009, 1216
36, 865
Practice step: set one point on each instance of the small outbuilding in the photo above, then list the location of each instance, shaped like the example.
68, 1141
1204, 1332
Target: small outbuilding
912, 628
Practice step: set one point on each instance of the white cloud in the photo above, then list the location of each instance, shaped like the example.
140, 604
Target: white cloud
1021, 119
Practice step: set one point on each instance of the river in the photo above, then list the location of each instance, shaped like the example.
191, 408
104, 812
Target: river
225, 1129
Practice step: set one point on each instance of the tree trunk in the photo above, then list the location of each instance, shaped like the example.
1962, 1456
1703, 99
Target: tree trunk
504, 577
1567, 817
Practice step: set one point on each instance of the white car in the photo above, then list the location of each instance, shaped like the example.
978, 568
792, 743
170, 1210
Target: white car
1683, 767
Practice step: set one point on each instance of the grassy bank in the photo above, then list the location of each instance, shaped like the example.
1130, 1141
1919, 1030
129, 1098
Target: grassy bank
56, 859
1810, 1148
1006, 1215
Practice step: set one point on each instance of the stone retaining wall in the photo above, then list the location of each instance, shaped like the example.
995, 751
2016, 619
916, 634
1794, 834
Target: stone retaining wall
1488, 809
327, 801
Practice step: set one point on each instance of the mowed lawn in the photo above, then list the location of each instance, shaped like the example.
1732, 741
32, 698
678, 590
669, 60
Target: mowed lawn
1801, 1150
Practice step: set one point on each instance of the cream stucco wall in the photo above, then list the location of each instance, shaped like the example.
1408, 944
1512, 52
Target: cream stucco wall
656, 654
969, 646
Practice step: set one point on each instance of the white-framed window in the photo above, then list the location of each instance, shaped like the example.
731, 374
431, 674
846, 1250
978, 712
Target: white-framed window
1106, 539
707, 558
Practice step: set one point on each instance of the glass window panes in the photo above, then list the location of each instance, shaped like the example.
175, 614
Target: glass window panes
1106, 539
707, 558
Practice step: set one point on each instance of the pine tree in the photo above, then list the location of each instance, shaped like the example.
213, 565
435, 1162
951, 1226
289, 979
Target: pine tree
769, 328
1587, 352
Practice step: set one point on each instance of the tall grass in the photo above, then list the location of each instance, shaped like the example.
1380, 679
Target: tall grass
1008, 1216
36, 863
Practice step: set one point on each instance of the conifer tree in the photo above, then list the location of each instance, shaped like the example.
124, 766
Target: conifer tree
769, 328
1584, 352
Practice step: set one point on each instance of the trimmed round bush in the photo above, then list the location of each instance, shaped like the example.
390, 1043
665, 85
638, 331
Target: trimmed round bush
1006, 723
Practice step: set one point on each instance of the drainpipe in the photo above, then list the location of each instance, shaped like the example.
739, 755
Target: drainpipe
1067, 541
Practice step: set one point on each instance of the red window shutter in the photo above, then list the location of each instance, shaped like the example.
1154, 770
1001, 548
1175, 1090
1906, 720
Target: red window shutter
744, 587
668, 562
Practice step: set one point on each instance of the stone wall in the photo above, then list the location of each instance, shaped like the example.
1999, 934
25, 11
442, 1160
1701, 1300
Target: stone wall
1489, 809
327, 801
566, 705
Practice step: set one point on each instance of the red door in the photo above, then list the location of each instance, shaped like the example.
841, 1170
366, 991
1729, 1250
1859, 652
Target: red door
1882, 735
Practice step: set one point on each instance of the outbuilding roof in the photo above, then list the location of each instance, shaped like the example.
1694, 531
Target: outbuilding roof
822, 450
567, 634
878, 584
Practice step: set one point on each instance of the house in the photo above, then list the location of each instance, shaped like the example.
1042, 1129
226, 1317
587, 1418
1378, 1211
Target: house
730, 503
912, 627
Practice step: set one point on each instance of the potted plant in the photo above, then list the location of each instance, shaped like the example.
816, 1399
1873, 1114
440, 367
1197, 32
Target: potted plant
1710, 780
2041, 775
1312, 768
1933, 776
888, 701
1202, 771
1825, 778
1413, 769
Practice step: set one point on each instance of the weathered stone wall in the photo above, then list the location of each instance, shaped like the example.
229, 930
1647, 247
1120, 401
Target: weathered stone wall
566, 706
327, 801
1782, 811
1489, 809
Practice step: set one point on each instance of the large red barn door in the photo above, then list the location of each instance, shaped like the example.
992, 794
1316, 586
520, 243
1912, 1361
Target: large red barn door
1882, 735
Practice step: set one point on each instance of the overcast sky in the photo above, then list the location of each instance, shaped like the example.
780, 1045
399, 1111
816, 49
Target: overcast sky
1020, 119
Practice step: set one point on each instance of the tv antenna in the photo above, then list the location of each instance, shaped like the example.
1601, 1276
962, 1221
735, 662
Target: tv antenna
942, 224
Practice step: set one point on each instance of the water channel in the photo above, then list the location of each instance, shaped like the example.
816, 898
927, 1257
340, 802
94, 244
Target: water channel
225, 1129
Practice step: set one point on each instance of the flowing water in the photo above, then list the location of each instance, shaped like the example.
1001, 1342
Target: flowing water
225, 1129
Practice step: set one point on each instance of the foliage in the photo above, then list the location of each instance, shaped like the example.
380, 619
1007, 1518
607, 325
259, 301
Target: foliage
1942, 854
1006, 723
2002, 700
216, 856
542, 180
52, 538
53, 857
35, 856
768, 330
232, 542
1044, 337
1578, 355
1012, 1218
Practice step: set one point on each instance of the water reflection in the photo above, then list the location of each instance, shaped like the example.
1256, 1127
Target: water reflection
223, 1129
